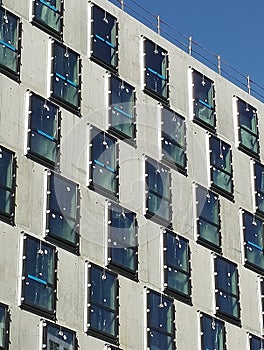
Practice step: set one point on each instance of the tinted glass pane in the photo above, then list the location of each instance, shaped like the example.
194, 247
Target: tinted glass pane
158, 206
227, 277
2, 326
256, 343
158, 341
64, 338
103, 320
158, 179
6, 169
177, 252
48, 12
160, 315
213, 334
103, 288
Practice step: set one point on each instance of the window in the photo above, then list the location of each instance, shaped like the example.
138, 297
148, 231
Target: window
177, 274
122, 109
158, 192
203, 101
104, 39
104, 163
39, 277
122, 240
66, 77
56, 337
156, 70
212, 333
48, 14
208, 218
253, 241
4, 327
256, 343
173, 139
62, 214
10, 44
7, 185
248, 127
221, 167
261, 280
102, 304
43, 131
227, 290
259, 187
160, 322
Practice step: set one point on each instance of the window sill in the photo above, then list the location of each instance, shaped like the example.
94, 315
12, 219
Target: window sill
156, 96
129, 140
249, 152
10, 74
71, 108
42, 161
123, 271
211, 246
178, 295
45, 28
63, 244
253, 267
222, 192
104, 192
231, 319
103, 336
103, 64
7, 219
173, 165
208, 127
38, 311
159, 220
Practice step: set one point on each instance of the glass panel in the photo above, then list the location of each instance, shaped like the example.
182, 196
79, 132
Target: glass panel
8, 40
103, 320
158, 341
2, 326
62, 228
158, 206
177, 252
259, 183
49, 12
160, 314
248, 126
158, 179
228, 304
213, 334
122, 107
122, 238
6, 181
103, 288
254, 240
104, 41
66, 80
60, 337
256, 343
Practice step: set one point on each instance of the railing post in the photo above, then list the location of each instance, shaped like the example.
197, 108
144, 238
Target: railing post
158, 24
248, 84
219, 64
190, 45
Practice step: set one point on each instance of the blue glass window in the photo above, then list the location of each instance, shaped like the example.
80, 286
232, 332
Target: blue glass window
248, 127
66, 72
227, 291
253, 241
43, 131
4, 327
221, 167
48, 14
158, 202
122, 109
256, 343
56, 337
160, 322
103, 303
173, 139
156, 70
104, 165
208, 218
203, 100
177, 274
63, 204
10, 44
104, 40
213, 333
259, 187
7, 185
122, 240
39, 277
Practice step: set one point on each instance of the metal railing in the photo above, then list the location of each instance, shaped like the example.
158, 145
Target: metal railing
187, 44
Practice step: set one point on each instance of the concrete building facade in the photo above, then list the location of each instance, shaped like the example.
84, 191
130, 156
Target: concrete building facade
131, 188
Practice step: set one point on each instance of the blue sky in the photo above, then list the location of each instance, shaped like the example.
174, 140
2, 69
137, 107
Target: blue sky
232, 28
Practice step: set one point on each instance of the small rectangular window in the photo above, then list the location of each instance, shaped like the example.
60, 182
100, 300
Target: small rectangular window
122, 109
227, 290
10, 44
62, 214
104, 38
160, 322
7, 185
203, 101
253, 242
39, 277
4, 327
158, 192
212, 333
102, 304
221, 167
48, 15
66, 77
208, 218
177, 272
103, 163
43, 131
56, 337
173, 136
256, 343
248, 128
156, 69
122, 240
259, 187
